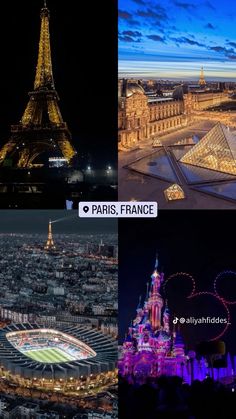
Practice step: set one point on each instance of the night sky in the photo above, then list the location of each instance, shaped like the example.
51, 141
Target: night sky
36, 221
196, 242
84, 54
174, 38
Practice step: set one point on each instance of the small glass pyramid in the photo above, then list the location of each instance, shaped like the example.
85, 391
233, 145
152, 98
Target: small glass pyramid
174, 192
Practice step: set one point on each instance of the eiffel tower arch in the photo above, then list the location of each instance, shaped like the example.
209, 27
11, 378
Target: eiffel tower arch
41, 129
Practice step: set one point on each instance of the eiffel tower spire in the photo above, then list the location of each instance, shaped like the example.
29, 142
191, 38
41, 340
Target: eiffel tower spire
50, 243
44, 74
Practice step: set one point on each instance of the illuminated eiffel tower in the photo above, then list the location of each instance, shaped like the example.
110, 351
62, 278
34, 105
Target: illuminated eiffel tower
41, 129
202, 81
50, 243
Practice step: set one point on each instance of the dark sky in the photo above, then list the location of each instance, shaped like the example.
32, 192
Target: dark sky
34, 221
197, 242
84, 53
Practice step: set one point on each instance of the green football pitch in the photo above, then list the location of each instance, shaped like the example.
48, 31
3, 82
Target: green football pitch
49, 355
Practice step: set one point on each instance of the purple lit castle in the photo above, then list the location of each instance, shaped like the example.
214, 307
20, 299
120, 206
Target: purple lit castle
151, 348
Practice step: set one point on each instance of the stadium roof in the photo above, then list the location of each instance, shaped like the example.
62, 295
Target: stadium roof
18, 363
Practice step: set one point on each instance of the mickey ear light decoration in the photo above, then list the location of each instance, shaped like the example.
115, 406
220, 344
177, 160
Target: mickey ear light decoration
193, 294
183, 275
216, 281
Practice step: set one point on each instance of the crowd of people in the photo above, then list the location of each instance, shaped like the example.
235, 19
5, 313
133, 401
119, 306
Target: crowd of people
169, 397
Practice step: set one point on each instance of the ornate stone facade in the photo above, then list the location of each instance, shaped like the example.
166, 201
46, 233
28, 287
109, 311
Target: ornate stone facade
141, 117
204, 100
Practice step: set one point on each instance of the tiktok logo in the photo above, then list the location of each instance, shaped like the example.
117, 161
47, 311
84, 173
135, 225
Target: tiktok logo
175, 320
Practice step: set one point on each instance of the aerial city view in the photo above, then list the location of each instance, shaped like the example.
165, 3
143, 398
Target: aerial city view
177, 351
177, 103
51, 156
58, 310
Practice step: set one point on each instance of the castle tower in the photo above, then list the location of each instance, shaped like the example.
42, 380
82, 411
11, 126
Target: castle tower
41, 132
202, 81
50, 243
139, 312
166, 319
179, 345
155, 301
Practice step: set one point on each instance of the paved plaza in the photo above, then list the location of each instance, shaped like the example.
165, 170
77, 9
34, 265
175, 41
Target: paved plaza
139, 180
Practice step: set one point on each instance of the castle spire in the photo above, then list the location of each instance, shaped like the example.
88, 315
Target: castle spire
156, 262
139, 307
147, 293
155, 299
166, 318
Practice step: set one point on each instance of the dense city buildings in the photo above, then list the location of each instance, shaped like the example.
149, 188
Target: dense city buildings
71, 280
58, 311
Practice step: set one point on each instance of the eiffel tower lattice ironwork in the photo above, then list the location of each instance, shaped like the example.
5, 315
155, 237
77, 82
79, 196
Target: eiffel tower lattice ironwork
41, 128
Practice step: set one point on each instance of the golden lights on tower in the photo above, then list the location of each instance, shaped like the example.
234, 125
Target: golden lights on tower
202, 81
41, 127
50, 242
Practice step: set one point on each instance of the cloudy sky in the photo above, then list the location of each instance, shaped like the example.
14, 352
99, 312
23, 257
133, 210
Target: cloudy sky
172, 39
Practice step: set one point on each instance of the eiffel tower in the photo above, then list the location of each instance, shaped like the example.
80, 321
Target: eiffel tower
41, 128
50, 243
202, 81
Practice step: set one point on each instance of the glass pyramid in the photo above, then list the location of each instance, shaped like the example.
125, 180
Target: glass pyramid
216, 151
174, 192
156, 143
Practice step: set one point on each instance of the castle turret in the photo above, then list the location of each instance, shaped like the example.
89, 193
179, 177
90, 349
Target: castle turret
178, 345
139, 312
166, 318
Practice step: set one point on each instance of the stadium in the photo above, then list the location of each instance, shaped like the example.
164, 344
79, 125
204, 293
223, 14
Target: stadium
72, 355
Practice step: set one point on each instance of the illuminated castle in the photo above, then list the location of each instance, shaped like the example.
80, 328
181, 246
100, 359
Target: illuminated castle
50, 243
151, 348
